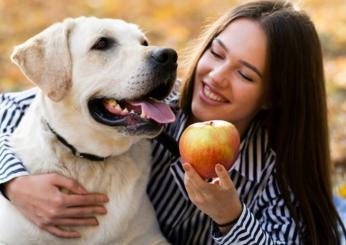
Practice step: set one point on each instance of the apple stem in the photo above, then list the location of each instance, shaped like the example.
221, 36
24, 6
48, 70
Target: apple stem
211, 123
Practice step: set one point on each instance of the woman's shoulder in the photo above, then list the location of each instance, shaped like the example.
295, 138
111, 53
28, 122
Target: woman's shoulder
21, 98
173, 98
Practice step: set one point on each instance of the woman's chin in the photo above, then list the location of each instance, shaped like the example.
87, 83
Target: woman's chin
201, 114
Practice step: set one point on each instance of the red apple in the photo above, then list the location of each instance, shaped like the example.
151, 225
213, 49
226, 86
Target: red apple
204, 144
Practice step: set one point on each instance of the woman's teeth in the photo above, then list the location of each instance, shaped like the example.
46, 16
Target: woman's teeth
211, 95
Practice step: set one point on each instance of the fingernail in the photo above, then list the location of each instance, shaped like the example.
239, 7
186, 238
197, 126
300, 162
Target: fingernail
218, 167
186, 167
82, 190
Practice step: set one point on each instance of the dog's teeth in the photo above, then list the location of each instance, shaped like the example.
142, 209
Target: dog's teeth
132, 111
124, 112
144, 115
111, 102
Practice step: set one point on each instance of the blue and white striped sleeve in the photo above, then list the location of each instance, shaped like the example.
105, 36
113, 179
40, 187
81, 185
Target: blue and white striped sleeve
12, 109
270, 224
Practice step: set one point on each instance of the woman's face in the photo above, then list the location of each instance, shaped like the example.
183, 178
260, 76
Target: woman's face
229, 75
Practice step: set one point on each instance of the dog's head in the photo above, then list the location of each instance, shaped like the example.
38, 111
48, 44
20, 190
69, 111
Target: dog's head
104, 71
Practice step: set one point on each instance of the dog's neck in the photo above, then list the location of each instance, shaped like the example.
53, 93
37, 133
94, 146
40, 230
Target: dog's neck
73, 149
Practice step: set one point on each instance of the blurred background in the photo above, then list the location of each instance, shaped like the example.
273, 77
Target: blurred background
173, 23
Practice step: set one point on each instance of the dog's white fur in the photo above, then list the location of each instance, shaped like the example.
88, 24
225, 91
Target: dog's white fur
60, 62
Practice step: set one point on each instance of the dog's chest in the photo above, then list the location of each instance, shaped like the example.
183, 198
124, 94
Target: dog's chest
122, 178
113, 175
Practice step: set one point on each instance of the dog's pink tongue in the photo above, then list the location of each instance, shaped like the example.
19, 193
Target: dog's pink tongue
158, 111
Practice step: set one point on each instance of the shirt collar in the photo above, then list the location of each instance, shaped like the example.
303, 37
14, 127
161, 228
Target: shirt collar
255, 154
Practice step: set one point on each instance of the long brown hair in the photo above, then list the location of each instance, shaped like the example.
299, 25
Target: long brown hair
296, 120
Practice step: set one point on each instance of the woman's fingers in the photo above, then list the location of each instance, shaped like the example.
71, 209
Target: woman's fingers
69, 184
78, 195
193, 176
189, 181
224, 178
62, 233
76, 222
83, 212
196, 187
91, 199
219, 199
48, 207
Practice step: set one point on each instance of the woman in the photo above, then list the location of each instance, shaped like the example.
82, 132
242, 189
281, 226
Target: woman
260, 67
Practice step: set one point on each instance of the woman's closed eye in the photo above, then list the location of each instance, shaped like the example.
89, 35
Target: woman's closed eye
245, 76
215, 53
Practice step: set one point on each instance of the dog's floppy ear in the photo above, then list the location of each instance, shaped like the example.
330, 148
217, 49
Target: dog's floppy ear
45, 59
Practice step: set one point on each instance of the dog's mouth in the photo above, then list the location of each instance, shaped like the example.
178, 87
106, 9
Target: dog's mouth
136, 116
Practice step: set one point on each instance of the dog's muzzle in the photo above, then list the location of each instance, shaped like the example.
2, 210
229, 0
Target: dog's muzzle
146, 113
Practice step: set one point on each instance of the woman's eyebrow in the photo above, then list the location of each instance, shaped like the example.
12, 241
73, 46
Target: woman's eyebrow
248, 65
241, 61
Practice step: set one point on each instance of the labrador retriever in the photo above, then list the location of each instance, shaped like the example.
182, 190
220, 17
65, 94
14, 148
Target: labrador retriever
100, 96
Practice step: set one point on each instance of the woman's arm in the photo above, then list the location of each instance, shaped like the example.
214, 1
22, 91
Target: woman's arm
12, 109
39, 197
271, 224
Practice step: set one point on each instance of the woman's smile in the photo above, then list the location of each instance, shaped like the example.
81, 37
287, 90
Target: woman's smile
210, 96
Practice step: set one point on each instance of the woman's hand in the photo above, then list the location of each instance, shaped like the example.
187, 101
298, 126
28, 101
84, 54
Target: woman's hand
40, 199
218, 199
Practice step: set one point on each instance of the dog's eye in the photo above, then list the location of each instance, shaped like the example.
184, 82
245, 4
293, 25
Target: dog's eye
145, 43
103, 43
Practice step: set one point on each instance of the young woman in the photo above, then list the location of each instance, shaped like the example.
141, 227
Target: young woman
260, 67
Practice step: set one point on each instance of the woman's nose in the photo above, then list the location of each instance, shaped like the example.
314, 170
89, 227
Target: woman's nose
219, 77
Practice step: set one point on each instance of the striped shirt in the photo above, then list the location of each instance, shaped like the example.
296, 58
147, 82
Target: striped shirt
265, 218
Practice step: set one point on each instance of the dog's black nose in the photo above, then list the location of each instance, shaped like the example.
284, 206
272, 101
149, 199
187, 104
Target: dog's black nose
164, 56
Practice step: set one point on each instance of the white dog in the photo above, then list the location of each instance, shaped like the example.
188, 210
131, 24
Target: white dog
100, 85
